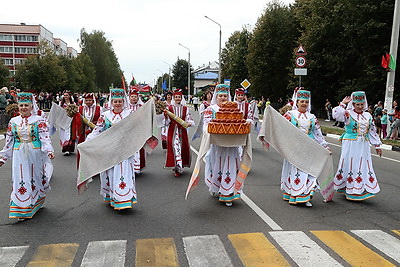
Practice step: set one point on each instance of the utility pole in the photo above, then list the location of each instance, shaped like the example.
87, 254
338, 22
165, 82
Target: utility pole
393, 52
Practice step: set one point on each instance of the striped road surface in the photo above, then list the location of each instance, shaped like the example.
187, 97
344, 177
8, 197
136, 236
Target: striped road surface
275, 248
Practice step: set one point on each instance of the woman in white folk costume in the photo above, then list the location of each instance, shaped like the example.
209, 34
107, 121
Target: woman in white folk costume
355, 175
298, 186
118, 182
222, 163
135, 102
164, 129
66, 139
206, 101
178, 148
244, 107
29, 146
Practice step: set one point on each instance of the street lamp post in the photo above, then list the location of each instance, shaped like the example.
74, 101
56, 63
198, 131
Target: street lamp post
169, 76
188, 70
219, 51
162, 79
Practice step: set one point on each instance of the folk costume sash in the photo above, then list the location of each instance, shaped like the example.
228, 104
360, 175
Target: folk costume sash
299, 149
185, 148
117, 143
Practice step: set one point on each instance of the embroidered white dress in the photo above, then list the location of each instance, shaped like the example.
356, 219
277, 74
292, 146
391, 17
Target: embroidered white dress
28, 145
222, 165
117, 183
299, 186
136, 157
355, 175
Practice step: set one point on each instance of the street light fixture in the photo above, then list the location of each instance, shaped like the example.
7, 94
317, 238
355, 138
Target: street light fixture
169, 76
188, 70
219, 51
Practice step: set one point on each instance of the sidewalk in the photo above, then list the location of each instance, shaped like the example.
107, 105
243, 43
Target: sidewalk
329, 124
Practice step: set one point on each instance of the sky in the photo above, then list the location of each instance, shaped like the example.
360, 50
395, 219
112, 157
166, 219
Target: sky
145, 33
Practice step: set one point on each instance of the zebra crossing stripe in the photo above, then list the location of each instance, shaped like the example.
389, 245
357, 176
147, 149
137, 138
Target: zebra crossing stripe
59, 255
156, 252
350, 249
254, 249
105, 253
10, 256
206, 250
385, 242
302, 249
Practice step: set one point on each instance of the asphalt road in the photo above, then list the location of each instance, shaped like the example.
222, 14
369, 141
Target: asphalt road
163, 212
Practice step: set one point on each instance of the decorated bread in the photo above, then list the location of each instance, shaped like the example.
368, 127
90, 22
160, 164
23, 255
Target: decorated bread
229, 120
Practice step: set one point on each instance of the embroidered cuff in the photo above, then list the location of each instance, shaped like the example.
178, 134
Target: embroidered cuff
343, 105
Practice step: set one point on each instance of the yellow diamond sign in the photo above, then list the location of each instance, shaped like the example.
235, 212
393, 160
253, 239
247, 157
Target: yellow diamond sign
245, 84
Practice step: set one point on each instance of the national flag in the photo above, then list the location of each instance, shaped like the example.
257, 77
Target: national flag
384, 62
123, 82
133, 82
392, 63
164, 85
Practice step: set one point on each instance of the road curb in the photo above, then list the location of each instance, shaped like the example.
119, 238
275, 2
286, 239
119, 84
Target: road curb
386, 147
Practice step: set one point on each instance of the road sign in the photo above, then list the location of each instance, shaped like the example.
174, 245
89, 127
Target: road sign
300, 61
300, 71
300, 51
245, 84
227, 82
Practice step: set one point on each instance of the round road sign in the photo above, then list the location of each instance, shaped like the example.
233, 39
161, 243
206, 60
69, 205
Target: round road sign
300, 61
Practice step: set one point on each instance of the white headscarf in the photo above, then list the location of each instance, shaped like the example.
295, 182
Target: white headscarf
294, 99
350, 105
217, 88
125, 98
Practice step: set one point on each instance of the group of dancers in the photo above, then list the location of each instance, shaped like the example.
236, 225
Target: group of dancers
29, 146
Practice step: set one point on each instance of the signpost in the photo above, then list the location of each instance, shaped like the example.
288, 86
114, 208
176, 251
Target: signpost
245, 84
300, 62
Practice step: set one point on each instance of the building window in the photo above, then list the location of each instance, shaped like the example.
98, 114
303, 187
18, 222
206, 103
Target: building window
6, 37
25, 38
19, 61
6, 49
8, 61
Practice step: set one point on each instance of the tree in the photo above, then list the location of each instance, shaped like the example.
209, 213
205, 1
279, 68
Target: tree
345, 40
4, 75
269, 60
86, 73
71, 74
41, 72
102, 54
180, 74
233, 57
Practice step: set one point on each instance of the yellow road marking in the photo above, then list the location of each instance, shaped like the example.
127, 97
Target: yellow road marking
57, 255
396, 231
156, 252
350, 249
254, 249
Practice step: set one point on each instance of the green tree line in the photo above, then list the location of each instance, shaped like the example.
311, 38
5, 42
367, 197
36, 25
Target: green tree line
344, 41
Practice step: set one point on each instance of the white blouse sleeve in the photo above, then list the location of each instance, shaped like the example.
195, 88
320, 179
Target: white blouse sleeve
44, 136
250, 115
7, 151
339, 113
100, 125
202, 108
373, 136
318, 134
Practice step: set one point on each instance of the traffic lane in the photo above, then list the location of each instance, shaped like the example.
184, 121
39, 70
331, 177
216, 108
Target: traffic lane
263, 187
161, 211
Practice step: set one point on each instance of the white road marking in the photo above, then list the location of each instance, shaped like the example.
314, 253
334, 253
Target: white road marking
205, 250
271, 223
10, 256
105, 253
385, 242
302, 249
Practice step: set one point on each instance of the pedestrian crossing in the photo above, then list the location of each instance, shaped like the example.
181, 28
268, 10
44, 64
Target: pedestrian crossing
274, 248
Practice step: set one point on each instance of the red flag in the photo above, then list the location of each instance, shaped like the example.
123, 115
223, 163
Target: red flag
384, 62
